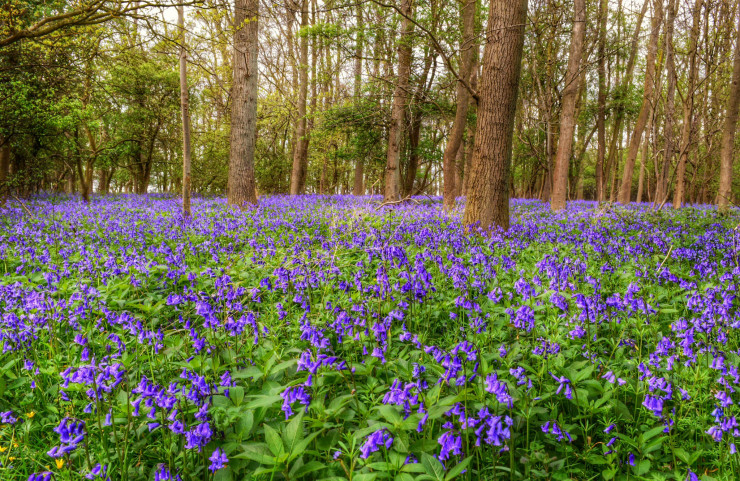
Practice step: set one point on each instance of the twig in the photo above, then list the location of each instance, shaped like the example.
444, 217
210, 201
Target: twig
666, 258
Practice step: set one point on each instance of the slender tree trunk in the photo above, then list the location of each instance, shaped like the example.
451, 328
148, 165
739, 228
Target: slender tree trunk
567, 116
601, 113
359, 181
300, 155
467, 14
185, 111
623, 87
661, 188
473, 109
728, 132
4, 167
392, 190
241, 184
688, 109
625, 190
488, 198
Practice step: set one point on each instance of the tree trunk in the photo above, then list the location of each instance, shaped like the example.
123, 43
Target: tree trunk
623, 87
359, 181
4, 167
241, 184
392, 190
601, 113
728, 132
688, 109
185, 111
300, 155
625, 191
467, 14
661, 188
567, 116
488, 198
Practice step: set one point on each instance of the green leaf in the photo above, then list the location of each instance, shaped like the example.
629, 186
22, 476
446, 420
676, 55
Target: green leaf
273, 441
310, 467
433, 467
642, 467
458, 469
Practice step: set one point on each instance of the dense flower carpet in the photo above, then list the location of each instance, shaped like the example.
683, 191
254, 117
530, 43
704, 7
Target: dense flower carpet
332, 338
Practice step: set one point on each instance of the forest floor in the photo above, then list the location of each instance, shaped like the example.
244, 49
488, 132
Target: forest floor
325, 338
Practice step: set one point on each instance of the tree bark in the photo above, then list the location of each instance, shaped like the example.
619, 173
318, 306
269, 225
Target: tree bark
392, 191
185, 113
488, 198
688, 109
467, 14
612, 160
728, 132
601, 113
661, 188
359, 180
567, 116
300, 155
625, 190
241, 183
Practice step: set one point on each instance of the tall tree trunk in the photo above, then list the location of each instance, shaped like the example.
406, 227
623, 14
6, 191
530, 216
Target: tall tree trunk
688, 109
241, 184
300, 155
728, 132
185, 111
661, 187
567, 116
467, 14
601, 113
625, 190
359, 181
488, 198
392, 190
617, 130
4, 167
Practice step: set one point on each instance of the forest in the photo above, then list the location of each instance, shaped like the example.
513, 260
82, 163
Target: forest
369, 240
608, 100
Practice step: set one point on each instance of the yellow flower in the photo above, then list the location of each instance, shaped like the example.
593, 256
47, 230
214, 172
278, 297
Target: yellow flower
60, 463
30, 415
3, 449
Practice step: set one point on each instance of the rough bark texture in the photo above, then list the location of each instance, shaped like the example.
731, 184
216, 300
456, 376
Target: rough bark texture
612, 160
467, 14
241, 185
185, 113
601, 113
661, 192
728, 132
567, 116
359, 180
392, 190
488, 197
625, 190
300, 155
688, 109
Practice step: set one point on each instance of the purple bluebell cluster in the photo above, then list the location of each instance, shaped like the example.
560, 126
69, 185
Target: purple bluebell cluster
324, 334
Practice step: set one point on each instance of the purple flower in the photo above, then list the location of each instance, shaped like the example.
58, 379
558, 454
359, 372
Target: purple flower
374, 441
218, 460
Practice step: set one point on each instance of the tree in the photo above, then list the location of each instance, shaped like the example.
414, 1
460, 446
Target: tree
300, 155
359, 180
567, 117
468, 45
601, 113
625, 190
185, 114
688, 108
241, 187
728, 132
392, 190
661, 191
488, 195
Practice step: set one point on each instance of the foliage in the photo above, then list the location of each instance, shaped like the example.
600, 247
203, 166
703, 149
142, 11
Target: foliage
322, 338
